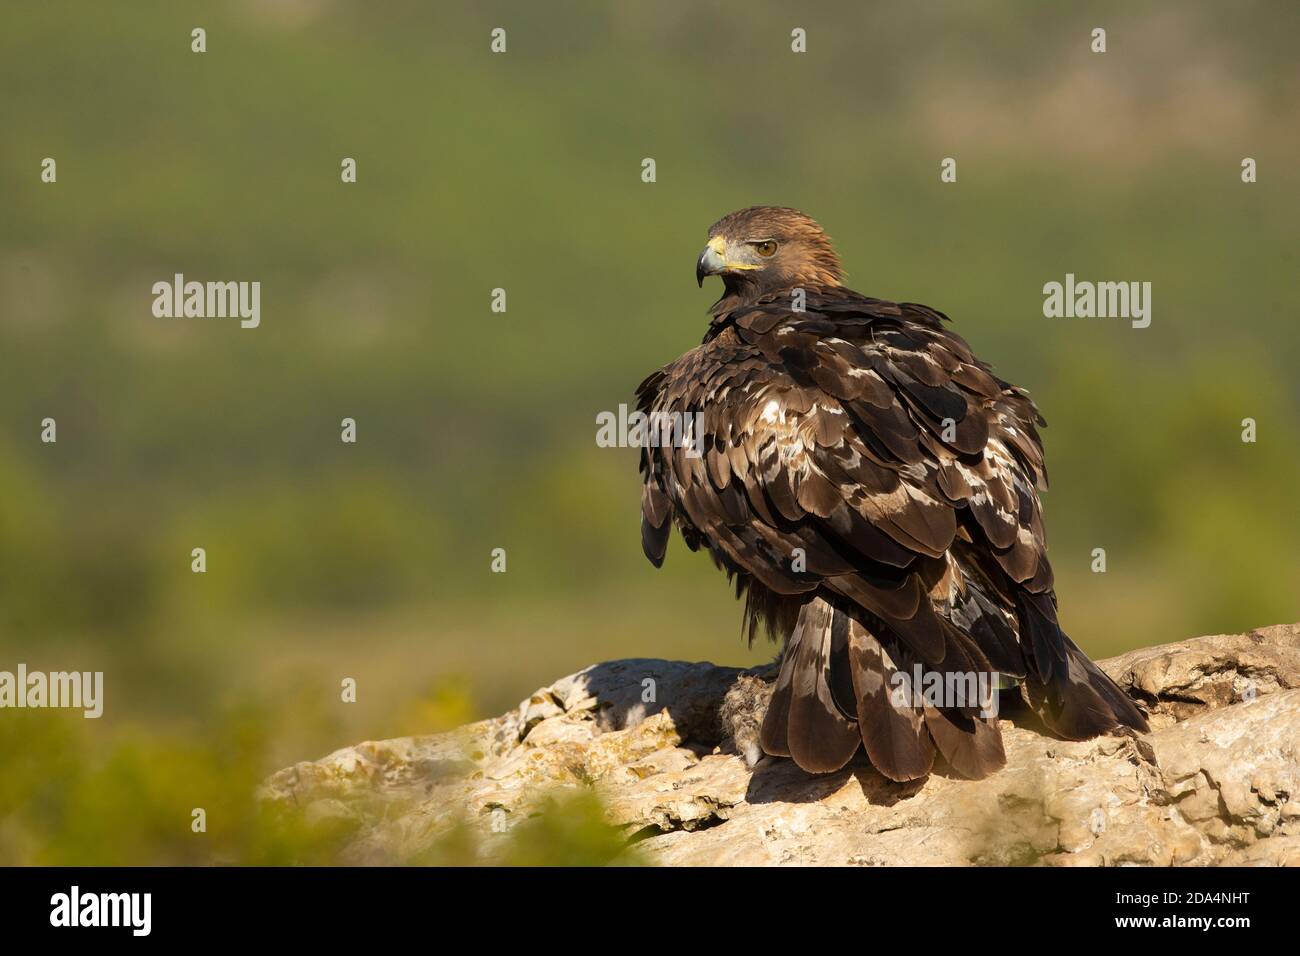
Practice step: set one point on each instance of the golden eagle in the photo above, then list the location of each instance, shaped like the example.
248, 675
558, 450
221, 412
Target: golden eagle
871, 487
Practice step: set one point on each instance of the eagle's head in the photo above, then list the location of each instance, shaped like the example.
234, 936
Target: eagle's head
765, 249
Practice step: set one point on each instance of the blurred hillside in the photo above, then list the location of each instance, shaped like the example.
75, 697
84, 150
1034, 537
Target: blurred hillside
476, 430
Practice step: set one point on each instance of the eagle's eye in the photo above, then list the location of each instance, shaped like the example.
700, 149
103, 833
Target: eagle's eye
766, 248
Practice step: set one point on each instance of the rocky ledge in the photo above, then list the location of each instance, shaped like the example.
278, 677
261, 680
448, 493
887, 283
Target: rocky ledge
1216, 781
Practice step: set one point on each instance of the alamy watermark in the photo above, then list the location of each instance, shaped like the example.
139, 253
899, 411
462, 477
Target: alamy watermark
636, 429
946, 690
179, 299
130, 910
76, 690
1074, 299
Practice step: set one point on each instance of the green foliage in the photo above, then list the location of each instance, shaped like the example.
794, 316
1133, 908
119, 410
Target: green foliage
74, 796
71, 797
566, 829
566, 832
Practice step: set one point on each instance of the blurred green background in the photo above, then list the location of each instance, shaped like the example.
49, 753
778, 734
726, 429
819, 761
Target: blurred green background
477, 430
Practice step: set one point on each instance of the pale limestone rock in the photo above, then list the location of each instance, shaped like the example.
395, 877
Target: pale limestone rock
1217, 781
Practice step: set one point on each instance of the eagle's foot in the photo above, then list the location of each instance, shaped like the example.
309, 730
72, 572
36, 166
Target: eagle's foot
741, 714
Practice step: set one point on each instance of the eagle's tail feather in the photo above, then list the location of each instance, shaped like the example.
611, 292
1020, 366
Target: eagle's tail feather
893, 731
971, 743
838, 688
804, 720
1072, 695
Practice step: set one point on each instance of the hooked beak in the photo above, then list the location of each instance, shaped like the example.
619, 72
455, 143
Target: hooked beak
712, 260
